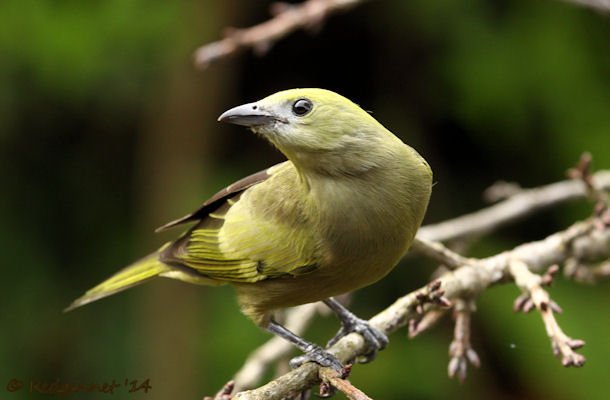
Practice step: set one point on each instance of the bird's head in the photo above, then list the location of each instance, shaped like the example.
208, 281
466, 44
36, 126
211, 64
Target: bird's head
306, 123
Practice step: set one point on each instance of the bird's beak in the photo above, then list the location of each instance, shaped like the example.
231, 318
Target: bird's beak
247, 115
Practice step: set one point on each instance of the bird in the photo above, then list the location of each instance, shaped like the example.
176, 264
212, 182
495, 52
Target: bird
336, 216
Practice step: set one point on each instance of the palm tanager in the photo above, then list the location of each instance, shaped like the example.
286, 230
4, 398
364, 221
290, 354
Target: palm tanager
338, 215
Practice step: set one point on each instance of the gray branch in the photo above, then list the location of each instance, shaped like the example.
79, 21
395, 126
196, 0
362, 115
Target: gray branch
602, 6
518, 205
579, 240
521, 204
287, 19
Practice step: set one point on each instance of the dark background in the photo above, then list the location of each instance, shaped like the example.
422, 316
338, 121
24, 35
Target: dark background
108, 131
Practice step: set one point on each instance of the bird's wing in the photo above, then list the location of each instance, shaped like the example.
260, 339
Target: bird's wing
219, 198
234, 243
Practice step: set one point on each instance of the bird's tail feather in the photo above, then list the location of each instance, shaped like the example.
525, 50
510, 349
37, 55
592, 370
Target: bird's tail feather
132, 275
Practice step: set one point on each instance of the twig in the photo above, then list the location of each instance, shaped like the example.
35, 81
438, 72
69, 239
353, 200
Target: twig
439, 252
582, 172
339, 381
460, 350
601, 271
287, 19
501, 190
224, 393
427, 321
520, 205
531, 284
586, 274
468, 281
431, 294
431, 316
602, 6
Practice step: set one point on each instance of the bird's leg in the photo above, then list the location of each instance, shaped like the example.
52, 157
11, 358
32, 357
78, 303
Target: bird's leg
312, 351
375, 339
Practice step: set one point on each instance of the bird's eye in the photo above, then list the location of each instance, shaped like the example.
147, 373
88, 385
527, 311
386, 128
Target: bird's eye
301, 107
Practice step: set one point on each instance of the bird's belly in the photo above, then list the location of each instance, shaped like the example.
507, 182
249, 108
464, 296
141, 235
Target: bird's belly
349, 267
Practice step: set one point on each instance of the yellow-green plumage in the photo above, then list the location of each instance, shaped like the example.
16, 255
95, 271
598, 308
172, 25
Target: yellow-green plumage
139, 272
337, 216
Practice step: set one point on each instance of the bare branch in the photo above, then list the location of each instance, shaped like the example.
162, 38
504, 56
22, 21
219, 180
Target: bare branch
601, 271
517, 204
520, 205
602, 6
501, 190
431, 294
331, 377
531, 284
467, 281
427, 321
224, 393
460, 350
440, 253
287, 19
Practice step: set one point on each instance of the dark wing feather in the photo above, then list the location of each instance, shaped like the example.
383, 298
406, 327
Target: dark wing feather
245, 253
215, 201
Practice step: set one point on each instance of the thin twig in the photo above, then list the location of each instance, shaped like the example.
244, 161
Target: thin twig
520, 205
601, 6
431, 295
427, 321
602, 271
531, 284
460, 350
439, 252
224, 393
582, 273
287, 19
339, 381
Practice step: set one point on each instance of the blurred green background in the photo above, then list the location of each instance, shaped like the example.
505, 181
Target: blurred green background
108, 131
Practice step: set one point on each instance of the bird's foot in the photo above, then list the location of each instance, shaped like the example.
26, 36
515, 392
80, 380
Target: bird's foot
312, 351
319, 356
375, 339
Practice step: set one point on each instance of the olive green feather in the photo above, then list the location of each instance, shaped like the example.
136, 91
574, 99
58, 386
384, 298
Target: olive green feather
224, 246
335, 217
135, 274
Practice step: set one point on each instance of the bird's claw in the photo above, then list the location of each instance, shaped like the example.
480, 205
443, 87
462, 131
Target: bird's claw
375, 339
319, 356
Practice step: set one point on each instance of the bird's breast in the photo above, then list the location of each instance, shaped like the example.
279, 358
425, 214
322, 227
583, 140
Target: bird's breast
366, 231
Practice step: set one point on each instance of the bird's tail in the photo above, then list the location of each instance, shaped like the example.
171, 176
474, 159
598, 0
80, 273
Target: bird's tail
132, 275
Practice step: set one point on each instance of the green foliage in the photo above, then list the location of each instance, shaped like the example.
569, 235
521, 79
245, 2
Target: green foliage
76, 48
518, 77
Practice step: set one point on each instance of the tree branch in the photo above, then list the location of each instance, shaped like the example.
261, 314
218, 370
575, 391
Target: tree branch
521, 204
467, 281
331, 377
438, 252
517, 205
287, 19
534, 294
460, 350
602, 6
